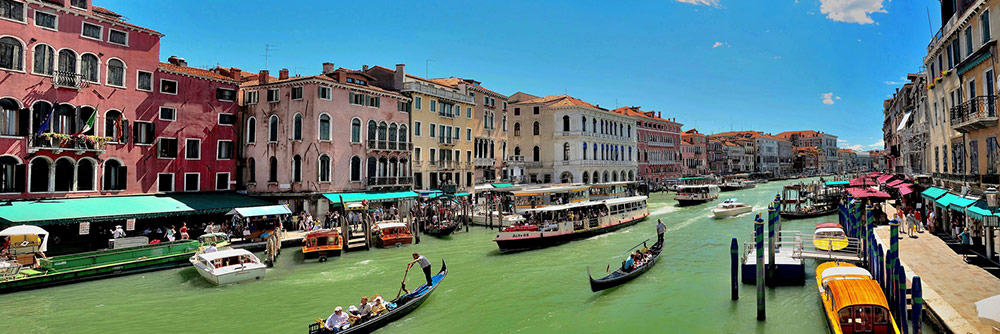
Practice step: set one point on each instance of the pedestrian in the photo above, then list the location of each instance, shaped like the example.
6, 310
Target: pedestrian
424, 264
660, 229
966, 239
170, 234
918, 221
930, 221
184, 232
118, 232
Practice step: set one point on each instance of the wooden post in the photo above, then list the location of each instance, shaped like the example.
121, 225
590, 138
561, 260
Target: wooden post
901, 298
734, 269
918, 305
772, 221
890, 263
758, 229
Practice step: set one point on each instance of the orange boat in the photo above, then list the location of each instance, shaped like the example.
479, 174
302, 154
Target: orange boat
322, 244
392, 233
854, 303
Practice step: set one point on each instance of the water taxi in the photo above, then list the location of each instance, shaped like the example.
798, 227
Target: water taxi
830, 239
853, 302
731, 208
696, 194
321, 244
558, 224
392, 233
229, 266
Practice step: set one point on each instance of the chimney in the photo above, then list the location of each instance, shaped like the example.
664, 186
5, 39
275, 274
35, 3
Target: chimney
182, 62
397, 78
659, 114
236, 74
172, 60
283, 74
328, 68
264, 76
364, 68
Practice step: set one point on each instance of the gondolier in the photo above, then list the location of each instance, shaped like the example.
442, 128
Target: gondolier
660, 229
424, 264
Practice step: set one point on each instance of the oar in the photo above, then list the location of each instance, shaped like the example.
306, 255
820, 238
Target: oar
634, 247
403, 283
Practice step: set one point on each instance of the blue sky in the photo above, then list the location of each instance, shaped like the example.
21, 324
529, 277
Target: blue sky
715, 65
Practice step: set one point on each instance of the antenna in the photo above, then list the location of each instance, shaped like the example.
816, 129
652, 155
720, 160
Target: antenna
267, 54
929, 26
427, 66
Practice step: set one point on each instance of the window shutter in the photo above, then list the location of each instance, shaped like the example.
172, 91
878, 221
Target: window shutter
125, 131
122, 177
23, 122
151, 130
135, 134
20, 174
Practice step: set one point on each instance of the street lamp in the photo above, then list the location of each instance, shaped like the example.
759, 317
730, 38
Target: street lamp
990, 221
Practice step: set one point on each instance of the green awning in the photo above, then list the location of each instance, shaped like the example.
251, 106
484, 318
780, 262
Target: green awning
973, 63
104, 208
502, 185
692, 178
336, 198
461, 194
837, 183
977, 212
959, 204
933, 193
943, 201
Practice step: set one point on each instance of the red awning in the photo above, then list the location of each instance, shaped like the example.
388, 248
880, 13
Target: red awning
906, 189
893, 183
874, 174
884, 178
901, 185
861, 181
860, 192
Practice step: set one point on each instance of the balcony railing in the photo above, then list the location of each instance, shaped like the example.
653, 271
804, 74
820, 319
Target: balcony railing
533, 164
62, 142
388, 181
660, 143
388, 145
446, 140
68, 80
429, 89
977, 113
515, 158
483, 162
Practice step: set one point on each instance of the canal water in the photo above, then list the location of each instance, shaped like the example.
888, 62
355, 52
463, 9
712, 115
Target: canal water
541, 291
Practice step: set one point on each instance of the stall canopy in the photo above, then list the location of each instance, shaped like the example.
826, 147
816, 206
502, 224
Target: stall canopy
502, 185
977, 212
104, 208
906, 189
837, 183
859, 192
336, 198
960, 203
902, 184
933, 193
945, 200
884, 178
257, 211
862, 181
894, 183
483, 187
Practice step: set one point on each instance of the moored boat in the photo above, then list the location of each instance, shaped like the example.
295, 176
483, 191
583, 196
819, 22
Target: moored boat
228, 266
852, 301
830, 239
558, 224
623, 275
441, 229
731, 208
810, 212
392, 233
321, 244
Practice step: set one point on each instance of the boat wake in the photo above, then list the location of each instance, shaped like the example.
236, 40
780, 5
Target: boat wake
365, 262
664, 210
683, 223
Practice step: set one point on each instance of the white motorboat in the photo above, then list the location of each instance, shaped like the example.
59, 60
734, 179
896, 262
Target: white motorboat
228, 266
731, 208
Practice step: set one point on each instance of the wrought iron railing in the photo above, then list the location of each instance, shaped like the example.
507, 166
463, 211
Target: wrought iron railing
975, 109
66, 79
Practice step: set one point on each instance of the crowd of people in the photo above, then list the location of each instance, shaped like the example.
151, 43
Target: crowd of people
434, 212
637, 259
340, 320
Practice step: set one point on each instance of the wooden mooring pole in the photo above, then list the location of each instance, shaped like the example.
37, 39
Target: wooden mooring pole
758, 229
772, 223
918, 304
734, 269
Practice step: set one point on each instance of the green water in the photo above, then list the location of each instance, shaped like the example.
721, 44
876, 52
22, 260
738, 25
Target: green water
541, 291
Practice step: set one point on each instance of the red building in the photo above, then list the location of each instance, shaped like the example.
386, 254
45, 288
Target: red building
658, 145
86, 108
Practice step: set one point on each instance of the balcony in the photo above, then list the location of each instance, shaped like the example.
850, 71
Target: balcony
432, 90
388, 181
514, 159
975, 114
69, 80
383, 145
485, 162
660, 143
58, 143
447, 141
533, 164
444, 164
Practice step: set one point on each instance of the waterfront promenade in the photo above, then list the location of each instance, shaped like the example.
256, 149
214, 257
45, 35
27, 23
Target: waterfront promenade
951, 287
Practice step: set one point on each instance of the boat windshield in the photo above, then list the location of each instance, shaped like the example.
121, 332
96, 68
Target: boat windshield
863, 319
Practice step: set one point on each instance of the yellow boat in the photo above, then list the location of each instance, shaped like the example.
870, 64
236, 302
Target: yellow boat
830, 239
853, 302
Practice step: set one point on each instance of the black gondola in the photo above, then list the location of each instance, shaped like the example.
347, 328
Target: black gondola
619, 276
404, 305
809, 214
442, 229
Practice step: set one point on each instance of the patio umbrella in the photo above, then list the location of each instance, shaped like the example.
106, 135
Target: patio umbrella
989, 309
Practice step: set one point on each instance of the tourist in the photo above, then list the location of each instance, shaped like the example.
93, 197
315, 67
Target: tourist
930, 221
918, 221
184, 232
911, 224
5, 248
660, 229
211, 248
424, 264
338, 321
364, 308
377, 307
118, 232
628, 264
170, 234
209, 228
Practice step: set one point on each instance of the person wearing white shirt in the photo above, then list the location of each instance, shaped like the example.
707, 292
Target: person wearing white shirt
660, 229
337, 321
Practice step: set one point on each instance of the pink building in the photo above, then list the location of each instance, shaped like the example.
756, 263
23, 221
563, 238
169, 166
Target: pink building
331, 132
87, 109
693, 152
659, 144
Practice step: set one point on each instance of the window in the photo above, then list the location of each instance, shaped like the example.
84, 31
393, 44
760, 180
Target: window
116, 73
192, 148
536, 154
324, 93
114, 175
517, 129
433, 130
168, 86
403, 136
468, 134
221, 181
10, 52
534, 110
297, 127
92, 31
251, 130
272, 95
12, 10
272, 127
46, 20
355, 98
416, 128
82, 4
355, 169
251, 170
416, 155
323, 173
433, 105
192, 181
168, 114
225, 150
297, 93
13, 120
117, 37
535, 129
968, 42
114, 127
468, 112
44, 62
272, 170
984, 25
517, 111
167, 148
88, 65
144, 81
227, 119
417, 103
373, 101
355, 130
251, 97
165, 182
324, 127
225, 94
143, 134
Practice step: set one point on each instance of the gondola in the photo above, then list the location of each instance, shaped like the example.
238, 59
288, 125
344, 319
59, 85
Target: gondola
619, 276
404, 305
811, 214
441, 230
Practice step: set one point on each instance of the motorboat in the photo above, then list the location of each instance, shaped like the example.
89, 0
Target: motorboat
830, 239
228, 266
730, 208
696, 194
321, 244
852, 301
392, 233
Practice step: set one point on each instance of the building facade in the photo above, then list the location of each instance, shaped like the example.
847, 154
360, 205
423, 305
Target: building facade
658, 144
825, 143
489, 130
693, 151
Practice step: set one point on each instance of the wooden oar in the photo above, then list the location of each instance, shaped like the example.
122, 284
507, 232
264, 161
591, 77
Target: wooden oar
402, 284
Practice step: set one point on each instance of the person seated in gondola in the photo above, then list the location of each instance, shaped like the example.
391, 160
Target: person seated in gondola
377, 307
337, 321
364, 309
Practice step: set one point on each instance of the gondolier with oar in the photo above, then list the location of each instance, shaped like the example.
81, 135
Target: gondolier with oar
424, 264
660, 229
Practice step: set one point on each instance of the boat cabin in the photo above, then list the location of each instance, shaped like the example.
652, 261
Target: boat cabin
217, 239
322, 243
227, 258
228, 266
546, 196
583, 216
603, 191
859, 306
393, 232
23, 243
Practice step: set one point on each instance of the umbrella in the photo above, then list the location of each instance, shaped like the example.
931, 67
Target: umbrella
989, 309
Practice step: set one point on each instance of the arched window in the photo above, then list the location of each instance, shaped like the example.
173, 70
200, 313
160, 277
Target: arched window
565, 123
606, 179
251, 170
631, 176
297, 127
566, 177
355, 168
272, 127
536, 154
114, 175
13, 119
251, 130
593, 128
63, 120
517, 151
85, 175
621, 130
565, 151
88, 67
629, 128
324, 168
372, 130
403, 135
392, 133
67, 62
324, 127
39, 175
272, 171
355, 130
113, 126
11, 54
622, 176
535, 129
11, 175
583, 126
586, 176
584, 157
116, 73
383, 167
517, 129
84, 114
381, 131
45, 59
296, 168
371, 170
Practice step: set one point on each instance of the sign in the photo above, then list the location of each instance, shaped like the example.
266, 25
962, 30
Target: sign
84, 228
130, 224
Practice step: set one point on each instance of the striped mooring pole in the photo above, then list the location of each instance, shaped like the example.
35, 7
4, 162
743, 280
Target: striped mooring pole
890, 263
772, 222
734, 269
758, 232
901, 297
918, 305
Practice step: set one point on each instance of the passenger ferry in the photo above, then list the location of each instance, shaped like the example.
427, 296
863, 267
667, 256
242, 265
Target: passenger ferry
696, 194
603, 191
536, 198
853, 302
556, 224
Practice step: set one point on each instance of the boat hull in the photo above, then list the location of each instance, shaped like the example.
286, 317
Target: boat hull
731, 213
441, 232
257, 271
800, 215
509, 245
691, 202
607, 283
389, 242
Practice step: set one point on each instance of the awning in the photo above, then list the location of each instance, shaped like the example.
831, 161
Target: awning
837, 183
977, 212
902, 123
483, 187
337, 198
884, 178
966, 67
902, 184
862, 181
257, 211
502, 185
461, 194
29, 230
104, 208
933, 193
906, 189
960, 203
893, 183
867, 193
943, 201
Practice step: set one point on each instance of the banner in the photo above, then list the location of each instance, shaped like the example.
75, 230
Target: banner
84, 228
130, 224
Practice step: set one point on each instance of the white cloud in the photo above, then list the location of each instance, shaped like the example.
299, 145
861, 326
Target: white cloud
855, 148
878, 145
828, 98
712, 3
851, 11
717, 44
841, 140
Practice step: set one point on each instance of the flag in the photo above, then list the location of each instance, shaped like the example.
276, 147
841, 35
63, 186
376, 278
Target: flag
89, 124
45, 124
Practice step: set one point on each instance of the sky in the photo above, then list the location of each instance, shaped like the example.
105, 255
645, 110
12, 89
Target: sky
714, 65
